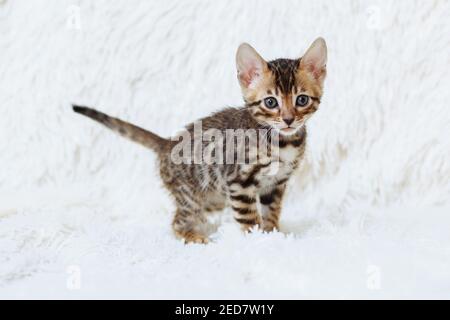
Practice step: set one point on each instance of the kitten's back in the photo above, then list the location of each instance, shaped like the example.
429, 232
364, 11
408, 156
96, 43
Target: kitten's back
228, 118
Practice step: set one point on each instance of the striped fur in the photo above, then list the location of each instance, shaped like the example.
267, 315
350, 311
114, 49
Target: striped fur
130, 131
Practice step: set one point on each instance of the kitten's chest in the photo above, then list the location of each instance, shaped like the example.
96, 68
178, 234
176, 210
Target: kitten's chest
281, 167
289, 154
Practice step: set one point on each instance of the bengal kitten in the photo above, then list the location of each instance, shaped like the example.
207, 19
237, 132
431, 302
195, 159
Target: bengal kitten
280, 95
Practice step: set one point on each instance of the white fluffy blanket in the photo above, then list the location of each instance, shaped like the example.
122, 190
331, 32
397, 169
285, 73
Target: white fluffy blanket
83, 213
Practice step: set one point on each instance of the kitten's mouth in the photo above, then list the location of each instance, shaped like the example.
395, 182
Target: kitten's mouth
288, 130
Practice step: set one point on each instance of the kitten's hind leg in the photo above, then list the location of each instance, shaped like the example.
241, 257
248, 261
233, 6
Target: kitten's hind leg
214, 202
187, 225
189, 221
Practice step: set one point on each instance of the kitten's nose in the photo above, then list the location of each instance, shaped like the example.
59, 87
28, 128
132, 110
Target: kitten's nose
288, 121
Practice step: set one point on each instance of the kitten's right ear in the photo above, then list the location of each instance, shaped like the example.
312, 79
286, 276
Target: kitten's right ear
315, 59
250, 65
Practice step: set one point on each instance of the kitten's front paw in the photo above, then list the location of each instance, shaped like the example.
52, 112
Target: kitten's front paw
257, 225
270, 227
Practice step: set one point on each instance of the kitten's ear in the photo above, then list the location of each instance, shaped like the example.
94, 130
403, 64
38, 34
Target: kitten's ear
315, 59
250, 65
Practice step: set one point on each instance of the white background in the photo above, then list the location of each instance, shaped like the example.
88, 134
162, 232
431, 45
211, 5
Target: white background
83, 213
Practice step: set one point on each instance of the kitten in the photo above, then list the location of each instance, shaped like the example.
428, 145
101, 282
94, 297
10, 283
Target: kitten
280, 96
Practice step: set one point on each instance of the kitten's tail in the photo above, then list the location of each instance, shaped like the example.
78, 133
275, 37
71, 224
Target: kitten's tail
146, 138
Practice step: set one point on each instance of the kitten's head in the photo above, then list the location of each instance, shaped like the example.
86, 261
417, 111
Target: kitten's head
282, 93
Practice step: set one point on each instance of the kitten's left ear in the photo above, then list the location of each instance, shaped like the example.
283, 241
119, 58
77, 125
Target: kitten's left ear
315, 59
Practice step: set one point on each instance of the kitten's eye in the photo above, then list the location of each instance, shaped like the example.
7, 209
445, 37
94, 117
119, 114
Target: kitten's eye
302, 100
270, 102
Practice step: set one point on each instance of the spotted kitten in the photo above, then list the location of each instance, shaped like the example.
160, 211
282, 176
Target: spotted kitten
280, 96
